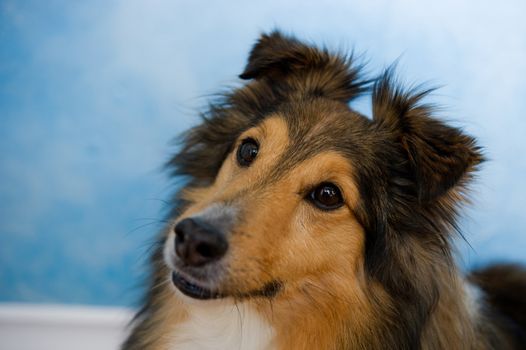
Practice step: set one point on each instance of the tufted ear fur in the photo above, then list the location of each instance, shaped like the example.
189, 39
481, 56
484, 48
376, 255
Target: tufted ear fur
285, 60
439, 156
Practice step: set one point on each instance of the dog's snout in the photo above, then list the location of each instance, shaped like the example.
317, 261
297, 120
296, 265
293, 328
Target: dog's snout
198, 243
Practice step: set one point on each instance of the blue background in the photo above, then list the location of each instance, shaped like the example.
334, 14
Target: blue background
92, 92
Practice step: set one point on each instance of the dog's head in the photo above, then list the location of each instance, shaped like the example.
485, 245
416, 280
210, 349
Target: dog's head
290, 189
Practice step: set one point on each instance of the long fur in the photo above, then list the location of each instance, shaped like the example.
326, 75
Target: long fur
411, 172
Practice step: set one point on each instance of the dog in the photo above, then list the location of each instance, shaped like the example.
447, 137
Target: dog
304, 224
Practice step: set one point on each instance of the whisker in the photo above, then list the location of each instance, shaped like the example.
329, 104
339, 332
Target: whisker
145, 225
166, 203
161, 284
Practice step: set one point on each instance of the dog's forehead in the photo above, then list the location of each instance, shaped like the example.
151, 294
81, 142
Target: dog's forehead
317, 126
312, 128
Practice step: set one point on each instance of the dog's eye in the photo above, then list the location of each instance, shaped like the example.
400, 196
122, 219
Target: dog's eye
247, 152
326, 196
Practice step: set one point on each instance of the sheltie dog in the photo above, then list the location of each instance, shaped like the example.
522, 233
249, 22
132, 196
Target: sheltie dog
304, 224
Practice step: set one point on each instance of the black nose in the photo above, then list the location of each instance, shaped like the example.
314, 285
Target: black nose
198, 243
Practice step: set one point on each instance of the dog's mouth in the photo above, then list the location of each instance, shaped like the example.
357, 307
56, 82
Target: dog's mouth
195, 291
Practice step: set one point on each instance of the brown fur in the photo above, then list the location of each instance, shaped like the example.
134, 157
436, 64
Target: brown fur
376, 273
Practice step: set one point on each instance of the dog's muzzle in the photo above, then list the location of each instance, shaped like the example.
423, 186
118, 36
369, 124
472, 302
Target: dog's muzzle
196, 251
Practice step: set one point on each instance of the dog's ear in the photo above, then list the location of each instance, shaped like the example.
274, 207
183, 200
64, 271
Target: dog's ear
439, 156
311, 71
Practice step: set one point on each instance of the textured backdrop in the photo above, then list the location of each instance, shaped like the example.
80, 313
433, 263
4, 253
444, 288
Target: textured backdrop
92, 92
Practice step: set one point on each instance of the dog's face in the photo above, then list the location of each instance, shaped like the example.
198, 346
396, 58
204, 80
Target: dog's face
280, 211
290, 189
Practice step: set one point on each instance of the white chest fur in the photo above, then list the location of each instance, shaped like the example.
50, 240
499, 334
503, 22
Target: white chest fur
220, 324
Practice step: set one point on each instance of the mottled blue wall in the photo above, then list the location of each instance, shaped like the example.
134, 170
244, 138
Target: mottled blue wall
92, 92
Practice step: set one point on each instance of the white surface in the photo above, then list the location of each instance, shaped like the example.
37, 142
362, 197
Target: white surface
58, 327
